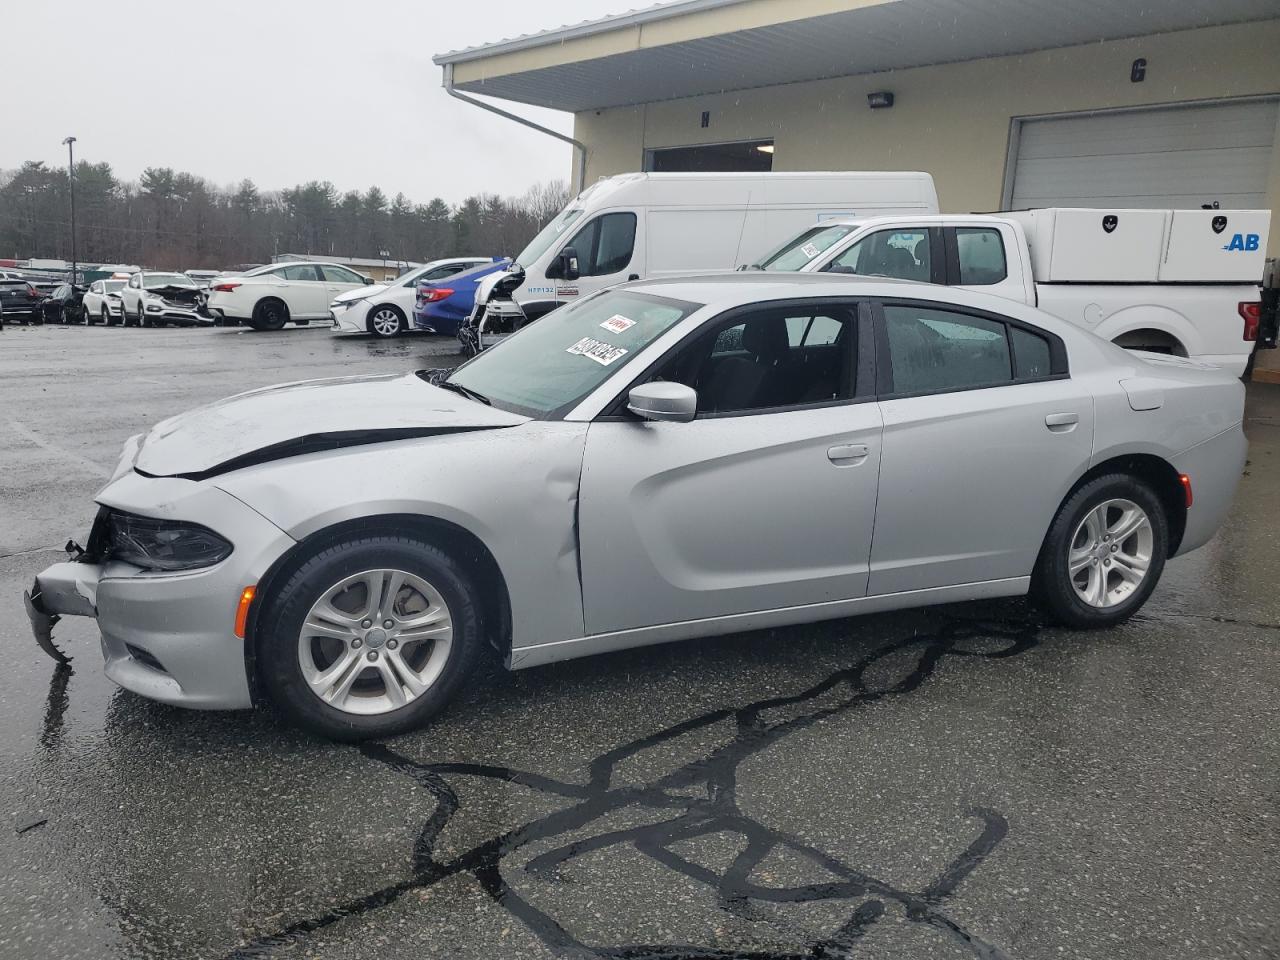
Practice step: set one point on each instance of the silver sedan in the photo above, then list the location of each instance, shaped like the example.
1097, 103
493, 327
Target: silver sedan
664, 460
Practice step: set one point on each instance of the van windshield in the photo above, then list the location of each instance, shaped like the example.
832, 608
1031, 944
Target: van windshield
547, 236
798, 253
552, 365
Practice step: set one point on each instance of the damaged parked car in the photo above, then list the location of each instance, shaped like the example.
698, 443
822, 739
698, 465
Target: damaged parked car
64, 305
659, 461
160, 299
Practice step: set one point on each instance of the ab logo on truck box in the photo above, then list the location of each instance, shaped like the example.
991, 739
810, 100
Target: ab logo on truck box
1244, 241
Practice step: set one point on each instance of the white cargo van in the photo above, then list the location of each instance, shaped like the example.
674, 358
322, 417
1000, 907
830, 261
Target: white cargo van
1184, 282
639, 225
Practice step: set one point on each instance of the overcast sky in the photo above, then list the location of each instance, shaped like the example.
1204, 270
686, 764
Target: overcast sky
278, 92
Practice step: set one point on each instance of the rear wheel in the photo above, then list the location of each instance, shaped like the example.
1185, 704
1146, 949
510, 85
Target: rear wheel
386, 321
1104, 553
270, 314
369, 637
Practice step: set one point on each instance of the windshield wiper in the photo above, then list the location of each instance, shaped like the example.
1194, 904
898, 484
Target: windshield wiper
464, 391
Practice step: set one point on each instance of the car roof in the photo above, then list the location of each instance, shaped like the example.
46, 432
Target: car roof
725, 291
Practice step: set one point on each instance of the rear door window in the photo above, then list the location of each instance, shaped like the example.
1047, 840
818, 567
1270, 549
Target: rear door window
932, 350
981, 254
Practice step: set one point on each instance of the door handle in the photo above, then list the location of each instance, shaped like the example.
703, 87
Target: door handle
847, 454
634, 276
1062, 422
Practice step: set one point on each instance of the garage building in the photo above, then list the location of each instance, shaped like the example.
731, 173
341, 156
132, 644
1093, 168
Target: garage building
1008, 103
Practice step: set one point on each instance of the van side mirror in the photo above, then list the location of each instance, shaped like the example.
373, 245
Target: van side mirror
663, 400
564, 266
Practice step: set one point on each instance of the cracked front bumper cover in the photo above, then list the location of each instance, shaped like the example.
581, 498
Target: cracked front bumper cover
64, 588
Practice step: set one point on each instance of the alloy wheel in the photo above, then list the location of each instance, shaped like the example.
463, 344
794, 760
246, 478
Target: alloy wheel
385, 322
1110, 553
375, 641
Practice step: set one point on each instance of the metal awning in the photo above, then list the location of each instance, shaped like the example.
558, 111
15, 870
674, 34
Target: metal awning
699, 47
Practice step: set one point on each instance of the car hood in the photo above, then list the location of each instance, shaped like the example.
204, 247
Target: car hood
313, 415
360, 293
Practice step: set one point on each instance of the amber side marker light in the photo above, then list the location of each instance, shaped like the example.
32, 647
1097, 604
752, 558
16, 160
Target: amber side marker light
1186, 486
247, 594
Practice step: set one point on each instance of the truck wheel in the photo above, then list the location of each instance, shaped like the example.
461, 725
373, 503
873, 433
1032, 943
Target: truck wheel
385, 321
1104, 553
270, 314
369, 637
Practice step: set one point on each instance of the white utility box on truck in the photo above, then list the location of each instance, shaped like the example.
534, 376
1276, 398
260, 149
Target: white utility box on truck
1174, 281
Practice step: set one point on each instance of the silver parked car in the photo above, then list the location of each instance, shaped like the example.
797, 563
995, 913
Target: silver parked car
664, 460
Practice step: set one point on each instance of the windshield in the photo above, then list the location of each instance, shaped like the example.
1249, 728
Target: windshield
259, 271
547, 236
112, 286
554, 363
153, 280
801, 251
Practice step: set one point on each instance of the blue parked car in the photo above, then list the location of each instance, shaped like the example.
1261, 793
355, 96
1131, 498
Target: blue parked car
443, 305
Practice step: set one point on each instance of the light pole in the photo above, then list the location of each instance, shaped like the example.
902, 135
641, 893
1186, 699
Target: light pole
71, 182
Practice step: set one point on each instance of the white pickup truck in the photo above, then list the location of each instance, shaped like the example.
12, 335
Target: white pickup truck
1184, 282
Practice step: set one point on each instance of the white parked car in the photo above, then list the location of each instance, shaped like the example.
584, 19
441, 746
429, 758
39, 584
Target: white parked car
158, 299
102, 302
270, 296
386, 309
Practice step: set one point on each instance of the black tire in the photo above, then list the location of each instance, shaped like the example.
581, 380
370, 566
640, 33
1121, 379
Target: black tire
280, 624
385, 320
270, 314
105, 317
1051, 581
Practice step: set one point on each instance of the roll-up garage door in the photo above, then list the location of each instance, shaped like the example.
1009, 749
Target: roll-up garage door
1181, 156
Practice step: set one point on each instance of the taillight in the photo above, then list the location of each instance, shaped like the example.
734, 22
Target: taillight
1251, 313
434, 294
225, 287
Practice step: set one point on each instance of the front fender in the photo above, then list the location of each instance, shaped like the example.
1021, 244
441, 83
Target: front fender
514, 488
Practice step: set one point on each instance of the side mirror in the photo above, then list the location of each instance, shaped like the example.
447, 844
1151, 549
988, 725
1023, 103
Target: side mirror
564, 266
663, 400
368, 281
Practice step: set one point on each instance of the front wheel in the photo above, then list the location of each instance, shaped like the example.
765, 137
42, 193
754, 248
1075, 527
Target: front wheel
369, 637
386, 321
1104, 553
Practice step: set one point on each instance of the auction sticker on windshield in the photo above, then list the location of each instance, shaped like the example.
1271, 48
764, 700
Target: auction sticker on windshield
597, 350
618, 323
810, 251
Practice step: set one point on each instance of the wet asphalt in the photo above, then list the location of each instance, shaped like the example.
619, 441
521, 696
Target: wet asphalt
959, 782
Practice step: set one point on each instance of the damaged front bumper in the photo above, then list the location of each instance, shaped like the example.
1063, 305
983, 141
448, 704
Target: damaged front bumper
64, 588
168, 636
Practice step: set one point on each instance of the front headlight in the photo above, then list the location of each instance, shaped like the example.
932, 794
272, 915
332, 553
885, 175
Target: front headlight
164, 544
345, 304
